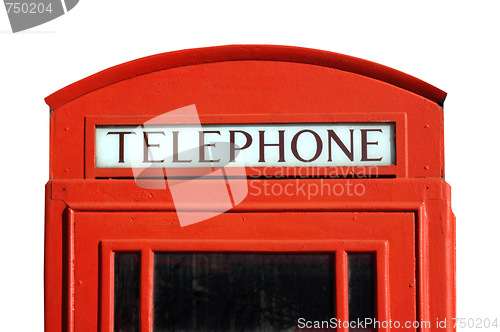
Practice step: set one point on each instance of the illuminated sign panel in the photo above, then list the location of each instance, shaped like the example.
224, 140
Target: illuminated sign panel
254, 145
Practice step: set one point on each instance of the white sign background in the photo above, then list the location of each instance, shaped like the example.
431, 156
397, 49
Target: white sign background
450, 44
107, 145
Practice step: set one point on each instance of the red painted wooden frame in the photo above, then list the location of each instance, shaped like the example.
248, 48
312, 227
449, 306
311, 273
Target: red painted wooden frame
434, 230
148, 248
399, 169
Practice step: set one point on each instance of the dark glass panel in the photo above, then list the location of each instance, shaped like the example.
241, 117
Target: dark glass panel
127, 292
241, 292
362, 287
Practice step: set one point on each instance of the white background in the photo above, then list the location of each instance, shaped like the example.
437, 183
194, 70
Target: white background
453, 45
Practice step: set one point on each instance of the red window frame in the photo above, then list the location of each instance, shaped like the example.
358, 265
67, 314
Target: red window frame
93, 244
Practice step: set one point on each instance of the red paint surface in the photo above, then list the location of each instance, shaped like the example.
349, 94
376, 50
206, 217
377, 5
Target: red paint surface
407, 214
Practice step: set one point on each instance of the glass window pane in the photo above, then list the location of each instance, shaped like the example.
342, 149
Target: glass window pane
236, 292
127, 292
362, 286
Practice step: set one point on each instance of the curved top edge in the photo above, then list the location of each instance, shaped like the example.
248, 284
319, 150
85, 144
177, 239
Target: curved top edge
197, 56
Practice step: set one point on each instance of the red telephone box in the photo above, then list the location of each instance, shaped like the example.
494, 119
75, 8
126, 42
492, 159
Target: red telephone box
254, 188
